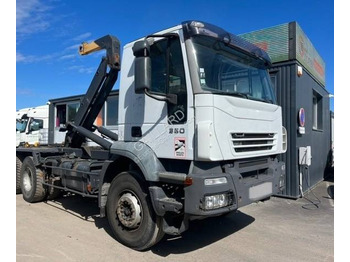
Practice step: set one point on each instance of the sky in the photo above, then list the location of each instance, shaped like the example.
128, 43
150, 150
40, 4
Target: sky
48, 33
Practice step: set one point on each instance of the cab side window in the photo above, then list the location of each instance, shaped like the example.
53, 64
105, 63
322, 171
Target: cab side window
168, 76
36, 124
159, 67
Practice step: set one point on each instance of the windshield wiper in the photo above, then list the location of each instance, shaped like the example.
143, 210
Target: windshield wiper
220, 92
262, 100
238, 94
244, 95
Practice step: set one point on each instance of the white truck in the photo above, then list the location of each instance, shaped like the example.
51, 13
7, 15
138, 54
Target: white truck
199, 132
32, 126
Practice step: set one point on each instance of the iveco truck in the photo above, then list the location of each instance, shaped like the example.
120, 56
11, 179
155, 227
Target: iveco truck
199, 132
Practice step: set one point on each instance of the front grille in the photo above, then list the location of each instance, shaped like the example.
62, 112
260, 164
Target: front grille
252, 142
253, 163
255, 173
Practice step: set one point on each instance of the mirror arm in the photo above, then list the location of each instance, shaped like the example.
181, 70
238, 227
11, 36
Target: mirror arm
171, 98
156, 97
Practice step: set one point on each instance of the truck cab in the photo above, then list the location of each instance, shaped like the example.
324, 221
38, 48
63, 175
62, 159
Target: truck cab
205, 108
225, 108
32, 126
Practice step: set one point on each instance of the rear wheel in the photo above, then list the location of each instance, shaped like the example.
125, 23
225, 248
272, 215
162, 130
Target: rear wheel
18, 175
31, 181
52, 192
130, 213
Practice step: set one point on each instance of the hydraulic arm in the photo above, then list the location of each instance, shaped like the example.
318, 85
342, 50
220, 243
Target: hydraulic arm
100, 87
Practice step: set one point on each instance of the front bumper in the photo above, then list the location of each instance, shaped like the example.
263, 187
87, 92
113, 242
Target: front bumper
248, 181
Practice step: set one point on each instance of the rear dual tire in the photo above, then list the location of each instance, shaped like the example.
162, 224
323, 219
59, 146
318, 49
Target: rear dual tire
30, 182
18, 175
32, 179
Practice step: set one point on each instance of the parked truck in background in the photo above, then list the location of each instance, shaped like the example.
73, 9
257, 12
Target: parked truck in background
32, 126
199, 132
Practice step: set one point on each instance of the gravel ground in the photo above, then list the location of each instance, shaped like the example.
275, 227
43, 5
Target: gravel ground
70, 229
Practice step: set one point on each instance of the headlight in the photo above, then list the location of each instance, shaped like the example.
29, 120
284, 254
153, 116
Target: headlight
215, 181
217, 201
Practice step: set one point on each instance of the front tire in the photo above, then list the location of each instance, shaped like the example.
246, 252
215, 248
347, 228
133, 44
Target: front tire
31, 181
130, 213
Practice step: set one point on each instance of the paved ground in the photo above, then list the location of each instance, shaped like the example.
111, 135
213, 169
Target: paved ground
70, 229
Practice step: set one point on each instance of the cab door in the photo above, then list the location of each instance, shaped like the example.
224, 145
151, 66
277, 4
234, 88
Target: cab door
160, 124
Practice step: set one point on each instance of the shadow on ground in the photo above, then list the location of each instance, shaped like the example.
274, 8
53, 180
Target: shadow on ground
200, 234
81, 207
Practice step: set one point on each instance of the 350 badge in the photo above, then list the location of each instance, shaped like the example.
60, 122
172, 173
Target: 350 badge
175, 130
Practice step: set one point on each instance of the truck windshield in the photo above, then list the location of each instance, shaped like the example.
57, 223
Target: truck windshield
224, 70
21, 125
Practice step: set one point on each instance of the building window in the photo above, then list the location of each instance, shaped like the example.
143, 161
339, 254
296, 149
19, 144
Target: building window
66, 113
273, 77
317, 111
60, 115
72, 110
112, 111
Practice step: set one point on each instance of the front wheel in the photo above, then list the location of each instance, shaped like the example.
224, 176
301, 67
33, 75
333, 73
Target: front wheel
130, 213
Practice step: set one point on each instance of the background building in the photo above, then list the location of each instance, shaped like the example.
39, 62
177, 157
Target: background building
298, 76
64, 109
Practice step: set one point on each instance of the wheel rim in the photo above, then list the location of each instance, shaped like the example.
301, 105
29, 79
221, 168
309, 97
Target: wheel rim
129, 211
27, 180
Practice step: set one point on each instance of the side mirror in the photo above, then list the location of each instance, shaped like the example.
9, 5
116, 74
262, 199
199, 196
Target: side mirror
142, 73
